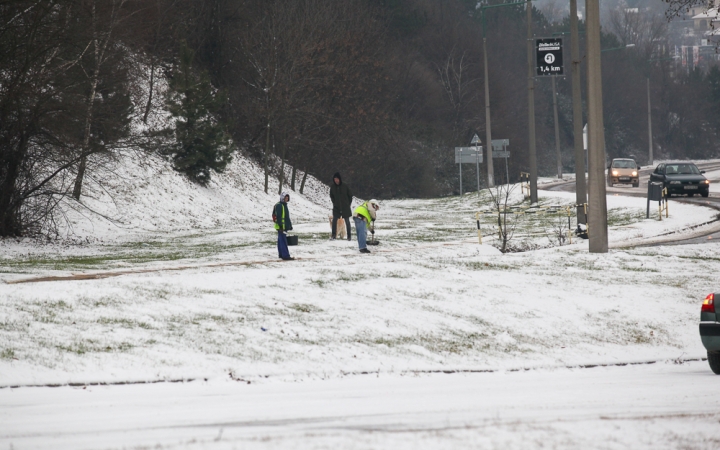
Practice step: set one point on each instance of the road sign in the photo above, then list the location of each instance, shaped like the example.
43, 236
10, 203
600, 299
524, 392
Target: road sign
501, 154
549, 53
500, 143
468, 155
475, 140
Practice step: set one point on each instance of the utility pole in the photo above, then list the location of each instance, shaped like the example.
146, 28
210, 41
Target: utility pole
557, 131
650, 144
580, 186
488, 133
597, 202
531, 106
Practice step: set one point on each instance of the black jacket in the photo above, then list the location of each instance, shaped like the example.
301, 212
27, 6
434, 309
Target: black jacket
341, 197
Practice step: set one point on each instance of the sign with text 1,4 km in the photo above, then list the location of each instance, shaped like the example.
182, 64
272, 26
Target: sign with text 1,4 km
549, 53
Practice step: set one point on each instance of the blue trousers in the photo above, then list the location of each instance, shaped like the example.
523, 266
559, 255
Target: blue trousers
361, 231
283, 251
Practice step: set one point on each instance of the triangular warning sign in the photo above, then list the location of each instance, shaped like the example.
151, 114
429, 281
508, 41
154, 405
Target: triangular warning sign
475, 140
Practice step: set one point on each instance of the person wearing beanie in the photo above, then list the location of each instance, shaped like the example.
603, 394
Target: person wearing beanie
364, 217
341, 197
281, 217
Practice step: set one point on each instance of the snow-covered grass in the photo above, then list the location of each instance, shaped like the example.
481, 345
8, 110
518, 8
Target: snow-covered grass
428, 298
203, 297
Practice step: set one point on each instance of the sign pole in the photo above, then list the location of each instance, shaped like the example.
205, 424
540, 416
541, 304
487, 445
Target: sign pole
507, 173
461, 177
477, 166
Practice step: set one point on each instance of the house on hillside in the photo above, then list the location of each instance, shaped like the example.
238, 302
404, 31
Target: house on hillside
694, 37
705, 22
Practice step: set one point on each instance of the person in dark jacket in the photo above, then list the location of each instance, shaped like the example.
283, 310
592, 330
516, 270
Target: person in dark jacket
341, 197
281, 217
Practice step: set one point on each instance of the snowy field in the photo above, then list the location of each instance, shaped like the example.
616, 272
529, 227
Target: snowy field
343, 350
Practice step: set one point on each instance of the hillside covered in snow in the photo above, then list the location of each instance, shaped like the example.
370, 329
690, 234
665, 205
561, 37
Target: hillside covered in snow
146, 194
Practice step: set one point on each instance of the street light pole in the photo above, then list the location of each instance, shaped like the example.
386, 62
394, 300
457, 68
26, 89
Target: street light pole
488, 128
597, 202
488, 131
651, 159
531, 106
580, 186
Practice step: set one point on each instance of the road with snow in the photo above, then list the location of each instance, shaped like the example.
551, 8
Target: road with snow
713, 201
661, 405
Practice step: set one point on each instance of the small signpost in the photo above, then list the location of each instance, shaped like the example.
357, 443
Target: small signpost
499, 150
549, 57
469, 155
476, 142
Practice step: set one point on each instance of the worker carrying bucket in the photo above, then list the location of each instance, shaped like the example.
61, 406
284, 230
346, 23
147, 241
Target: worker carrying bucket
364, 217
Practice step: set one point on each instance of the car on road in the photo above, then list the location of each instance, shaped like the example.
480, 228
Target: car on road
710, 330
681, 178
623, 171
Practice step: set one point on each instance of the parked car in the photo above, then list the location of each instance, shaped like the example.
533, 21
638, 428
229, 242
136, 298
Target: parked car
681, 178
623, 171
710, 331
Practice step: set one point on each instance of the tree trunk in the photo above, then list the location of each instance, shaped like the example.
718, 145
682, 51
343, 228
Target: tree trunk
150, 92
292, 182
9, 220
86, 140
302, 183
99, 54
282, 169
267, 154
77, 190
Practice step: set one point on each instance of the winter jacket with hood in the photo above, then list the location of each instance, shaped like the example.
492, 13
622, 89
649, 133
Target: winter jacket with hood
341, 197
282, 214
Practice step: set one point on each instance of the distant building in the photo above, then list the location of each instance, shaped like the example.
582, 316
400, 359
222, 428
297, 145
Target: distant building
693, 38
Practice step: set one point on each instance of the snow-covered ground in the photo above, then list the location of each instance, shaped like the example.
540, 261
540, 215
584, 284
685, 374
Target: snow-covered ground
659, 406
203, 297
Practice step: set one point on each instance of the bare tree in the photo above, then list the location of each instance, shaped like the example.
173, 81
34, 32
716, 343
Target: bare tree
645, 30
500, 196
36, 111
460, 86
554, 11
101, 36
311, 79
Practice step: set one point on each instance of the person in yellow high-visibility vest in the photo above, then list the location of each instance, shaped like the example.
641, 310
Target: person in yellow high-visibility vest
364, 217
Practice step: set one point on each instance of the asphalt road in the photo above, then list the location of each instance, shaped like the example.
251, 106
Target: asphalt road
713, 201
660, 405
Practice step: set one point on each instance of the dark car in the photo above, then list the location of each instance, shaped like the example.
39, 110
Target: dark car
710, 331
681, 178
